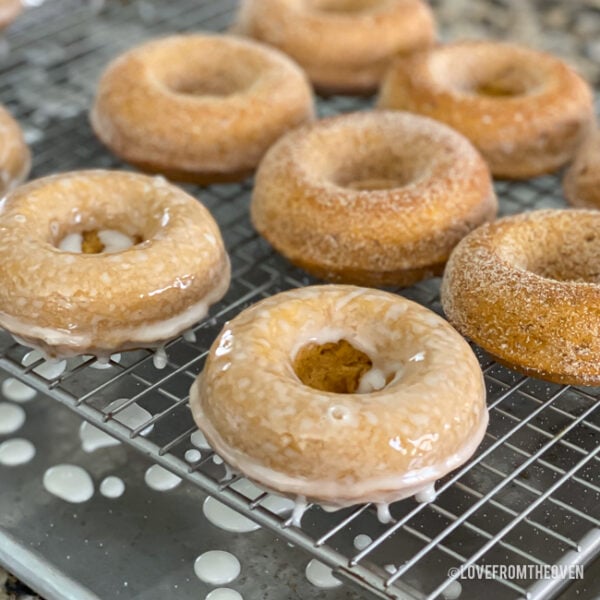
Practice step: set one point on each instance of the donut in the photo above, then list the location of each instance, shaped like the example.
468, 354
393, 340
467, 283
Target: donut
9, 11
96, 262
389, 376
526, 111
199, 108
581, 183
371, 198
345, 46
527, 290
15, 158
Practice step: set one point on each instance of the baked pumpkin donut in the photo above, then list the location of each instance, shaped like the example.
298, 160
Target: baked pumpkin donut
527, 290
201, 108
526, 111
581, 183
15, 158
292, 379
9, 11
148, 263
371, 198
345, 46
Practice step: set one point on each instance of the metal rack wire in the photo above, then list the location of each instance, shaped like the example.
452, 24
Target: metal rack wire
530, 496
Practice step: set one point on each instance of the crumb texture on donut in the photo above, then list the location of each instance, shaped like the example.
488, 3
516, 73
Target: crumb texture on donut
582, 180
419, 413
527, 290
199, 107
526, 111
68, 302
345, 46
374, 198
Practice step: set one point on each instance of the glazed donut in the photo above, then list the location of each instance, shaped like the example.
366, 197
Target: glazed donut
371, 198
345, 46
9, 11
581, 183
201, 108
417, 413
15, 158
152, 263
527, 290
526, 111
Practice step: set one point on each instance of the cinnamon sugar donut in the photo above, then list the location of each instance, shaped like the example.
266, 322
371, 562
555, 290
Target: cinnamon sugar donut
582, 181
152, 263
15, 158
526, 111
417, 413
527, 290
372, 198
201, 108
345, 46
9, 11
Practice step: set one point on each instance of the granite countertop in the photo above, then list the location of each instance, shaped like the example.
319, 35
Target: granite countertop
569, 29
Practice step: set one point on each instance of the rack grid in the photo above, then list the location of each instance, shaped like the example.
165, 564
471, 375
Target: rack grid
529, 496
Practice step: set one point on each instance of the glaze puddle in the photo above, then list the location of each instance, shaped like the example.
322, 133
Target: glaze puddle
217, 567
49, 369
220, 515
224, 594
321, 575
16, 452
160, 479
199, 440
112, 487
17, 391
192, 456
361, 541
69, 482
12, 417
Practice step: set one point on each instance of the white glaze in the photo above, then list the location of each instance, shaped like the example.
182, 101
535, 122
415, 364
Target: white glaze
278, 504
12, 418
361, 541
112, 487
199, 440
453, 591
226, 518
320, 575
383, 513
49, 369
112, 240
17, 391
189, 336
427, 494
217, 567
15, 452
300, 506
224, 594
102, 363
69, 482
93, 439
192, 456
161, 480
159, 358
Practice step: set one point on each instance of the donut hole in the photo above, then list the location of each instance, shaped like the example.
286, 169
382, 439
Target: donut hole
97, 241
196, 84
568, 252
486, 72
334, 367
344, 6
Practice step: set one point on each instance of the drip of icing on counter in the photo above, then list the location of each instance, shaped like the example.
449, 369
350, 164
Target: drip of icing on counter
197, 438
49, 369
224, 594
217, 567
102, 363
12, 418
16, 452
69, 482
321, 575
192, 456
17, 391
112, 487
161, 480
361, 541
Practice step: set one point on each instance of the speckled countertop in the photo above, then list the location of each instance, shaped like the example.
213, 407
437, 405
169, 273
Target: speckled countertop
568, 28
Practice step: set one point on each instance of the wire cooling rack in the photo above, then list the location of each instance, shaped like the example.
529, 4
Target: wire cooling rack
530, 495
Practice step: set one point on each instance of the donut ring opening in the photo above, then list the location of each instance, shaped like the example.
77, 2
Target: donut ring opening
488, 73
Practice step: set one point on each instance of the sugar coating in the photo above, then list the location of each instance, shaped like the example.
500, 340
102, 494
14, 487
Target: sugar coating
527, 289
582, 181
341, 449
532, 132
306, 202
343, 46
199, 103
15, 158
69, 303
